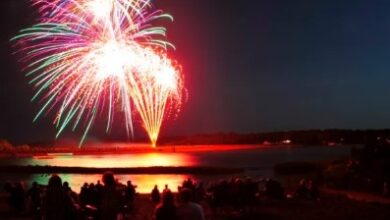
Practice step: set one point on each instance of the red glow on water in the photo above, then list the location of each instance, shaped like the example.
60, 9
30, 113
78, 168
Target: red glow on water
117, 160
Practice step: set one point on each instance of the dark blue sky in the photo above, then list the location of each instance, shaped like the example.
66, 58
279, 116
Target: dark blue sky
249, 66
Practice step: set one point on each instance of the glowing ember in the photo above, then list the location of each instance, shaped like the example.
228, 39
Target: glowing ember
86, 57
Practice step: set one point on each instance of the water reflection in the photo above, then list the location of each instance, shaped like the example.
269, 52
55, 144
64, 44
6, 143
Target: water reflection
120, 160
261, 159
145, 183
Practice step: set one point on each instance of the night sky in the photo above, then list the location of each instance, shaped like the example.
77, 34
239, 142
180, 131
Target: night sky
249, 66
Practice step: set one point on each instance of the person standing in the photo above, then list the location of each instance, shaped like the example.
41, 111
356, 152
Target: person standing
155, 195
111, 199
57, 204
166, 210
189, 210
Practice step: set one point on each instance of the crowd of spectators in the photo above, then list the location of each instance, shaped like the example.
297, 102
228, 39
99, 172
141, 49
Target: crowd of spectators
114, 200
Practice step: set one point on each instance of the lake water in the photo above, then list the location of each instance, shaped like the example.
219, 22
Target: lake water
257, 162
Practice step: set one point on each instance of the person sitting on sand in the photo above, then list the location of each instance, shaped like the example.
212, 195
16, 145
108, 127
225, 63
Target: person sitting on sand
274, 190
9, 189
189, 210
16, 196
155, 195
167, 209
111, 199
20, 195
57, 204
385, 189
302, 192
314, 192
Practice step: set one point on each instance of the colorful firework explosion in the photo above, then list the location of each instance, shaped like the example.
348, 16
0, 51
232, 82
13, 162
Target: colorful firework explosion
86, 57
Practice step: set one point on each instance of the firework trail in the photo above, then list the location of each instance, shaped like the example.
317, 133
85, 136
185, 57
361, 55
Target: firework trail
151, 91
92, 57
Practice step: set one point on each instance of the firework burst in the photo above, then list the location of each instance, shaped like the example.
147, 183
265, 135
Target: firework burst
86, 57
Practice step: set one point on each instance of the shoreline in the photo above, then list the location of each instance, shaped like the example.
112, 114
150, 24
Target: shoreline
125, 148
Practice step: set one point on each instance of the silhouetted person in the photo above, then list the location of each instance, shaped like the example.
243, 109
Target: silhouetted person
99, 190
189, 184
274, 190
302, 192
92, 194
189, 210
385, 189
84, 193
166, 188
155, 195
111, 201
16, 196
130, 191
99, 186
34, 194
57, 204
9, 188
166, 210
19, 197
199, 192
69, 191
314, 192
66, 186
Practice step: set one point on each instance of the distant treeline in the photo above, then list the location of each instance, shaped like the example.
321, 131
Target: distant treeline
304, 137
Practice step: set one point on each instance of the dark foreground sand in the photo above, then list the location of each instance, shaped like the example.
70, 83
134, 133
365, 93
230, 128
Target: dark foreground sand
330, 207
